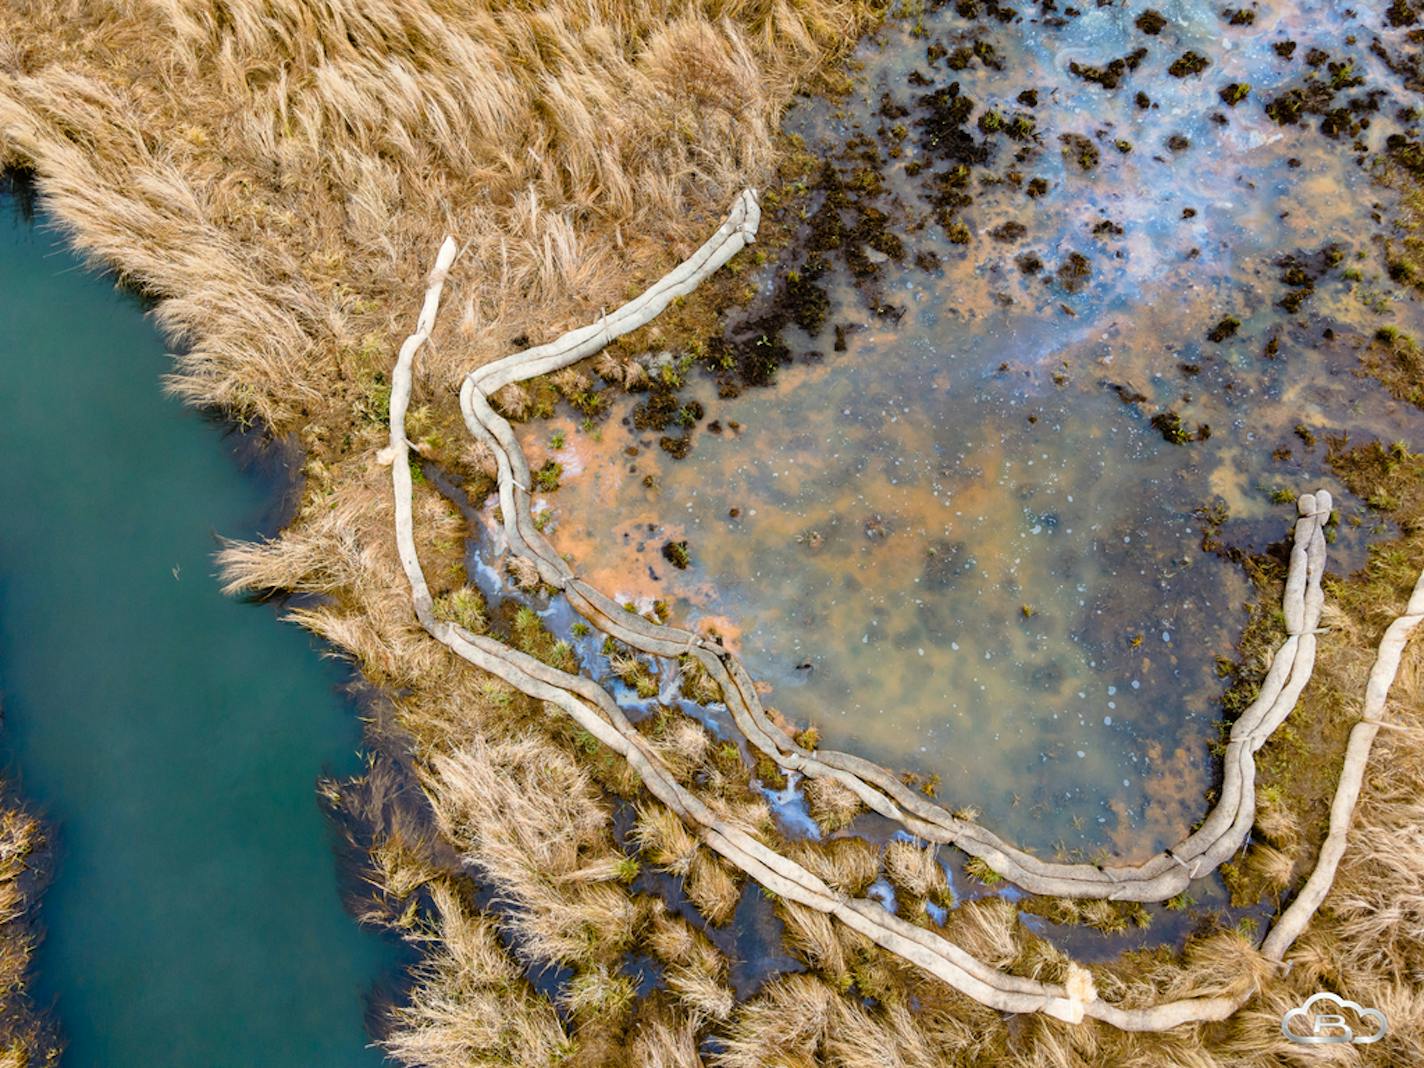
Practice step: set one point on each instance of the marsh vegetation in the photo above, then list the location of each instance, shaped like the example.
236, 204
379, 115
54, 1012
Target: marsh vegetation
277, 179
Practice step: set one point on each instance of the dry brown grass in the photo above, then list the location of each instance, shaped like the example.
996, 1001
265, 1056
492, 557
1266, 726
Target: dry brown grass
24, 1039
683, 744
847, 864
665, 1039
831, 804
471, 1004
784, 1026
600, 994
812, 936
703, 997
987, 928
694, 681
665, 840
278, 171
527, 815
913, 869
276, 175
713, 885
676, 942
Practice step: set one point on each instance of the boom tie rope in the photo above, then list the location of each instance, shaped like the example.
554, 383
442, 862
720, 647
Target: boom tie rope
595, 710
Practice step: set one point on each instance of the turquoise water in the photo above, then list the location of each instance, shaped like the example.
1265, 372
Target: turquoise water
171, 737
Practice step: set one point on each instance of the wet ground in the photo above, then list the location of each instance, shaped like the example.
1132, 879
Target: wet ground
1043, 308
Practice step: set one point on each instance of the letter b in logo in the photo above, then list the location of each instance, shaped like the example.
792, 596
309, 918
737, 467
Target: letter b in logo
1332, 1028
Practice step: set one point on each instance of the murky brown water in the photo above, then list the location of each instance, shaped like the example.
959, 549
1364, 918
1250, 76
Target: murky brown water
960, 546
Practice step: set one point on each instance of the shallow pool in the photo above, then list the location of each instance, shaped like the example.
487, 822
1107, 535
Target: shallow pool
1063, 329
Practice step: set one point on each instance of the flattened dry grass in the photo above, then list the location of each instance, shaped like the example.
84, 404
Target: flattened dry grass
665, 840
714, 886
831, 804
847, 864
665, 1038
812, 936
703, 997
278, 172
913, 869
275, 173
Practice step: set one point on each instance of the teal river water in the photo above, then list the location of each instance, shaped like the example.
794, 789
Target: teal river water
171, 737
